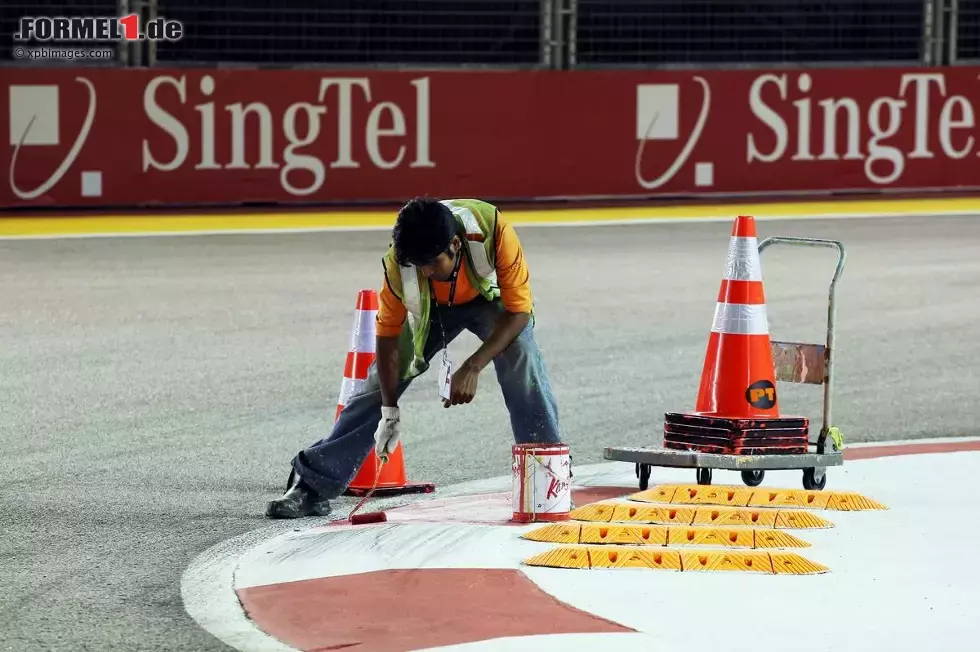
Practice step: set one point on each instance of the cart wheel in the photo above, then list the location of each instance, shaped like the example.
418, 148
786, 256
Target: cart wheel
704, 476
810, 482
753, 477
643, 470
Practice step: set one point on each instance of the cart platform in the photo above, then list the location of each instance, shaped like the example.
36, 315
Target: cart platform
795, 362
697, 460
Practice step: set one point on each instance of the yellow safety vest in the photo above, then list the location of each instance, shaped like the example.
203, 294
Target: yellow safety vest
479, 220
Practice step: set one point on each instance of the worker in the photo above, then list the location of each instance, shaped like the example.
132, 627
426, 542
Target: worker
452, 265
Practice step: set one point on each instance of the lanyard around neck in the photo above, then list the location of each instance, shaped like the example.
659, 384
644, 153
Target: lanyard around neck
452, 295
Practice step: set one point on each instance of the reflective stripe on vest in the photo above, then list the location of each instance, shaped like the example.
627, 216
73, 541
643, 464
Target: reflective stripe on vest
478, 253
410, 289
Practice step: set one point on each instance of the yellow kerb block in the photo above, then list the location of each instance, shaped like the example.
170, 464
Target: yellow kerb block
755, 562
708, 495
845, 501
725, 516
783, 563
662, 515
777, 539
791, 519
612, 557
790, 563
660, 494
789, 498
556, 533
655, 535
701, 536
564, 557
596, 512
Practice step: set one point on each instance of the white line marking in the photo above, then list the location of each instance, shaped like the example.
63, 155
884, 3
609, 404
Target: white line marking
207, 588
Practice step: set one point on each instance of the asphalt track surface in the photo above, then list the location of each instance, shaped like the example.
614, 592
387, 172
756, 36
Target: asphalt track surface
154, 389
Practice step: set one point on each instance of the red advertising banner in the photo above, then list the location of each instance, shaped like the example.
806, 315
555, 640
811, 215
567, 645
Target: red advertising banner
123, 137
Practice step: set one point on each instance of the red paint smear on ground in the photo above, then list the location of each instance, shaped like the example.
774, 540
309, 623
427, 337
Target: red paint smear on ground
412, 609
586, 495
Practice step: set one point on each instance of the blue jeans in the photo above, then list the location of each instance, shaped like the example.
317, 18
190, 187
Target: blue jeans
330, 464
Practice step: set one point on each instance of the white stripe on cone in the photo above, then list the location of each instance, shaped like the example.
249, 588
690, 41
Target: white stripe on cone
743, 262
740, 319
349, 387
362, 337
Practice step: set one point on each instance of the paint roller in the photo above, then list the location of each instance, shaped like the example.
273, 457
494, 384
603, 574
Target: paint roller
370, 517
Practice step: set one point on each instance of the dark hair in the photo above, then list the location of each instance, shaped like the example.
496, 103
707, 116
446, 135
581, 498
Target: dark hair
423, 230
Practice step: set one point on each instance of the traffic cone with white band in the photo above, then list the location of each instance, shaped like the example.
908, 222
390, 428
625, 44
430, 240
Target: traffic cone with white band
738, 378
360, 356
361, 351
737, 409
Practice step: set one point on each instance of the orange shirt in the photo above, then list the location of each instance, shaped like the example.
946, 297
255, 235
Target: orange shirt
513, 279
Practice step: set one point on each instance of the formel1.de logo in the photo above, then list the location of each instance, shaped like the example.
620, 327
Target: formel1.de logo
658, 111
61, 29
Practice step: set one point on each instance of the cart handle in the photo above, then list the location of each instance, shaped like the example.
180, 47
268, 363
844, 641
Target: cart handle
812, 242
831, 320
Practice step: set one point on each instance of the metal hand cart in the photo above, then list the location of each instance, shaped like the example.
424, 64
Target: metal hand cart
795, 362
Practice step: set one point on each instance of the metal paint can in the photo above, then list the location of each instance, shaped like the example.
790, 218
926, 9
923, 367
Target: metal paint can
540, 483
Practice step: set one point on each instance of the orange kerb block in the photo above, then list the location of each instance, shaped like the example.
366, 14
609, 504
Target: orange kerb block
556, 533
701, 536
624, 534
756, 562
660, 515
726, 516
595, 512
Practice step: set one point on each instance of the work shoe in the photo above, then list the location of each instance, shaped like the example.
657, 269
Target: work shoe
297, 502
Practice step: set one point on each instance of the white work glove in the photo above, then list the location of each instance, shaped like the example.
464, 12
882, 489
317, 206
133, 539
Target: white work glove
388, 432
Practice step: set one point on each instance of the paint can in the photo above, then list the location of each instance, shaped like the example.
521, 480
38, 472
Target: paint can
540, 482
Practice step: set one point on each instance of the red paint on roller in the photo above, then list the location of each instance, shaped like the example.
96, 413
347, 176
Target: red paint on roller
370, 517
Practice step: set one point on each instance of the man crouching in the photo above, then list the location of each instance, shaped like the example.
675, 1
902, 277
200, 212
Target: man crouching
452, 265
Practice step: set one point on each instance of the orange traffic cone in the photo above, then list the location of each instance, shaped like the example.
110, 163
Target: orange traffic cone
360, 356
737, 409
738, 379
361, 351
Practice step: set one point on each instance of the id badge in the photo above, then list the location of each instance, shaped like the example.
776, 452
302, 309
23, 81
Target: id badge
445, 377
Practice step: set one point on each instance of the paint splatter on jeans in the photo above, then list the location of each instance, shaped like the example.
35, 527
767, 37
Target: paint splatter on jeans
330, 464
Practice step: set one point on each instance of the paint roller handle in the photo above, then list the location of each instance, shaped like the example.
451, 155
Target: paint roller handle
374, 487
